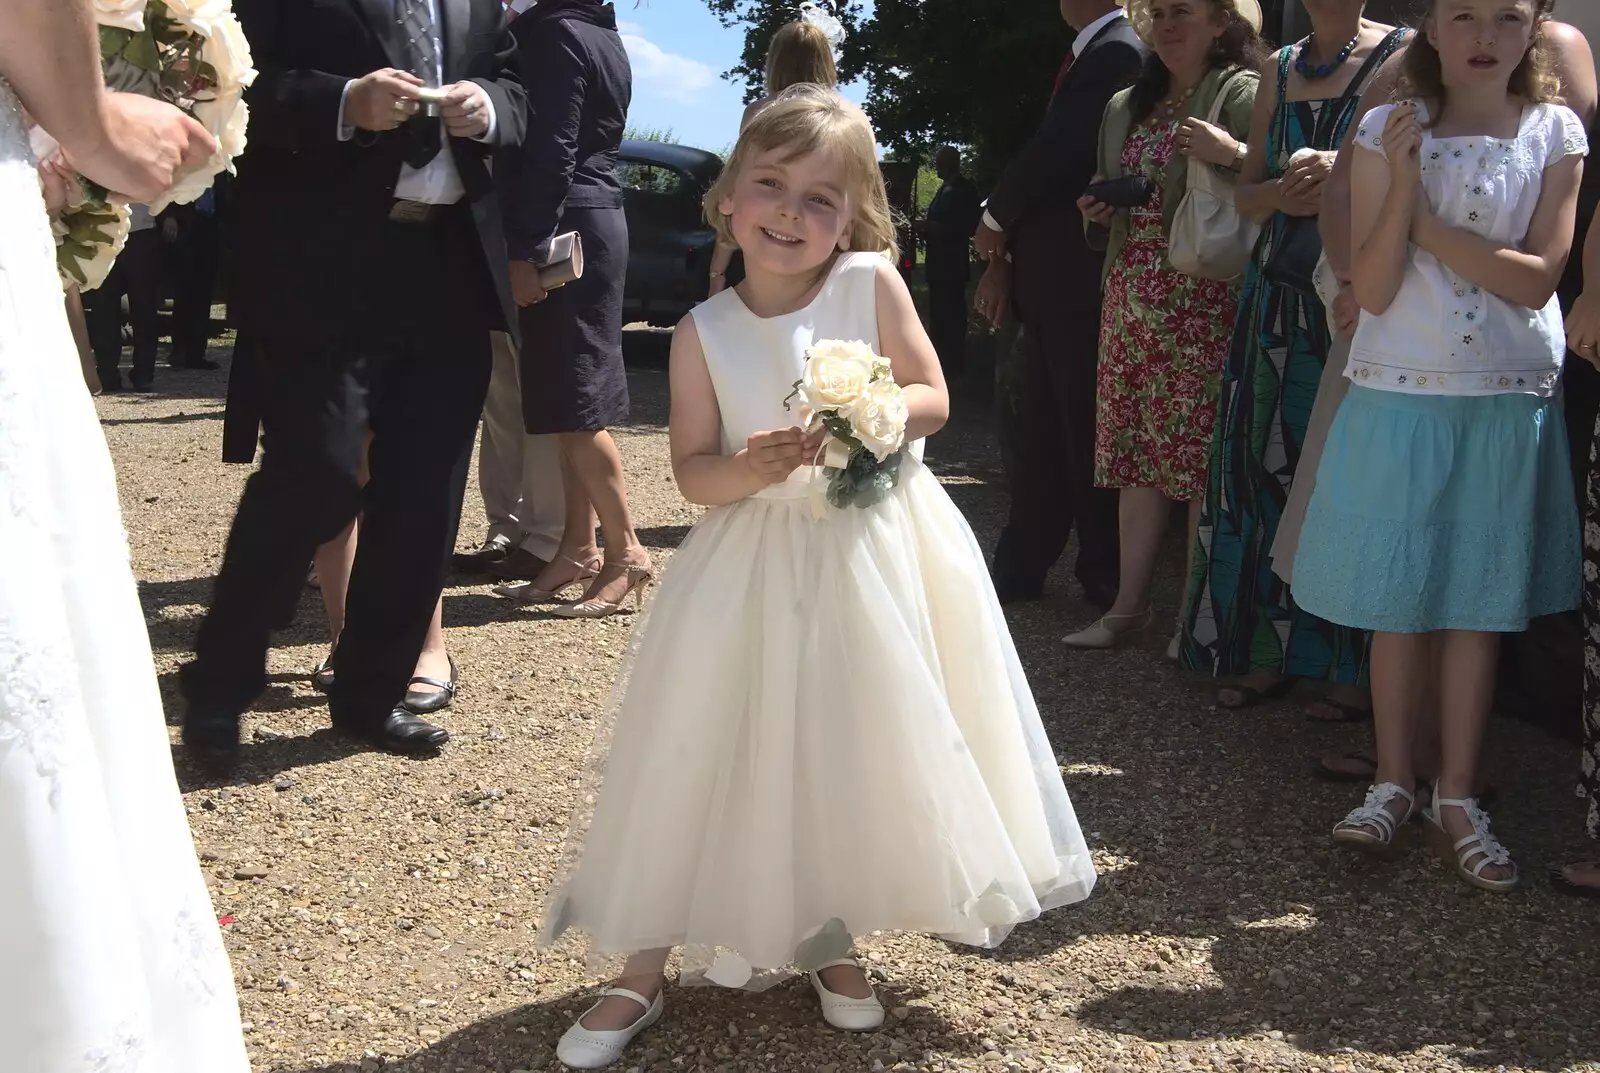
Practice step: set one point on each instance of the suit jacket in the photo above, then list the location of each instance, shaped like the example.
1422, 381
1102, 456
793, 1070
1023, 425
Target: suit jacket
952, 216
579, 86
1035, 200
310, 210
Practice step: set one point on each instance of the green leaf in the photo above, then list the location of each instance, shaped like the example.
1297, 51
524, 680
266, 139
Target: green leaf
113, 39
142, 51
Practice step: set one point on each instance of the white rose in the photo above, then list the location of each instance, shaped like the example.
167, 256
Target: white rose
104, 255
123, 14
836, 375
879, 419
226, 50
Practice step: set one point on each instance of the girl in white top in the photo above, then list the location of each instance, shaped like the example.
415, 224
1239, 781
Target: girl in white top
1443, 513
823, 728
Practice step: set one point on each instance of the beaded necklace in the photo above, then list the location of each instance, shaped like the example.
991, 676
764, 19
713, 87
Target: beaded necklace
1303, 65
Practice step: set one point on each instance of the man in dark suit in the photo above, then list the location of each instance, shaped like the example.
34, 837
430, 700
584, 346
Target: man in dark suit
952, 214
1052, 283
370, 271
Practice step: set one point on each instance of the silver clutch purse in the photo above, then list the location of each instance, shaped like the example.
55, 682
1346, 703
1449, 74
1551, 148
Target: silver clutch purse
565, 263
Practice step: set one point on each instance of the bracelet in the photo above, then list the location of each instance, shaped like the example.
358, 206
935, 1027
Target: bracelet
716, 275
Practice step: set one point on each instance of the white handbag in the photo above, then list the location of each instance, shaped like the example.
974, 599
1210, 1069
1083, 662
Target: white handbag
1209, 238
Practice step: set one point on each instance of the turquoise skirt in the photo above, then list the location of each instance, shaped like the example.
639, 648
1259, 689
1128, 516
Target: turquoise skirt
1441, 512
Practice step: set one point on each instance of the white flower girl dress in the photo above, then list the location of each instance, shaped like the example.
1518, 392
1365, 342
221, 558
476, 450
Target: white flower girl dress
821, 727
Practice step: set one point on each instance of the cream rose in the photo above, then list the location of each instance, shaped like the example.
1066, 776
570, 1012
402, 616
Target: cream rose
836, 375
112, 220
878, 420
123, 14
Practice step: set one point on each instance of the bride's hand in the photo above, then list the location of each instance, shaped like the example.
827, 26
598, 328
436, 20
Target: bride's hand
148, 145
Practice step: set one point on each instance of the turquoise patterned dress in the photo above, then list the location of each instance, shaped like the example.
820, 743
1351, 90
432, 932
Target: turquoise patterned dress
1240, 616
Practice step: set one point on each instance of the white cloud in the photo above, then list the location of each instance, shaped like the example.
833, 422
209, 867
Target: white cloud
663, 75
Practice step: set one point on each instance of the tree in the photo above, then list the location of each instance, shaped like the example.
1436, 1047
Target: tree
974, 73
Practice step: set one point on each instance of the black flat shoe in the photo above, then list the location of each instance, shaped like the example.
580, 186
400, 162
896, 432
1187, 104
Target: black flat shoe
478, 562
419, 703
1563, 885
213, 741
406, 732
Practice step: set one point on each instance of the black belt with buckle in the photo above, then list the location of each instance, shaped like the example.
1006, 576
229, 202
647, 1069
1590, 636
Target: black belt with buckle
413, 212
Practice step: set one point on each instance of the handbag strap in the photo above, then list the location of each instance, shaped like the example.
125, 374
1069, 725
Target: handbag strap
1332, 118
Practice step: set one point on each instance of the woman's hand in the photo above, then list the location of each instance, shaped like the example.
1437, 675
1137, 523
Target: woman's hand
1207, 143
772, 456
526, 290
148, 145
1094, 210
1583, 326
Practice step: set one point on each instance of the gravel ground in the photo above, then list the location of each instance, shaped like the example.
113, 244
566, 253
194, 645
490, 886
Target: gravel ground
383, 910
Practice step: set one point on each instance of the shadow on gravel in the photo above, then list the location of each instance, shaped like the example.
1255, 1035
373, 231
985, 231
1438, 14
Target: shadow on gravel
784, 1018
264, 761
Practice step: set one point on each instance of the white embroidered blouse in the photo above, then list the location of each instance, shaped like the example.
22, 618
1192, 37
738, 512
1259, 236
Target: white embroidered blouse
1442, 334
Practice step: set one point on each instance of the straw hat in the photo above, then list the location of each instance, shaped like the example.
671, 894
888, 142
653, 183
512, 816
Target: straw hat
1139, 14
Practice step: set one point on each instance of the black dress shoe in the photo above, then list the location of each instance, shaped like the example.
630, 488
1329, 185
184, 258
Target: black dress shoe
1010, 591
213, 740
1100, 597
518, 565
405, 732
419, 703
478, 562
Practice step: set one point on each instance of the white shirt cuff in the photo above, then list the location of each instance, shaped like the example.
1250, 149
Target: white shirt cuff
344, 131
989, 222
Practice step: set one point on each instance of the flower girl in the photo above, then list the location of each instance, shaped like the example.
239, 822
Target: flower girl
822, 728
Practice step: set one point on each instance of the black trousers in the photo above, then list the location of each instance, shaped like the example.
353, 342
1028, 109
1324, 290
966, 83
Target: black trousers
137, 274
1052, 482
195, 254
947, 316
416, 371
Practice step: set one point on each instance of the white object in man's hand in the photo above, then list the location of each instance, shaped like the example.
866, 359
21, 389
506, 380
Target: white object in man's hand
466, 110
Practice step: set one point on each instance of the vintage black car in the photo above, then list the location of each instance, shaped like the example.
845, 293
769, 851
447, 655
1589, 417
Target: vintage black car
669, 242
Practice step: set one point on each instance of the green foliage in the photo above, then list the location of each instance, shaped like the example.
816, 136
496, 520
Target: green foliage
975, 73
649, 134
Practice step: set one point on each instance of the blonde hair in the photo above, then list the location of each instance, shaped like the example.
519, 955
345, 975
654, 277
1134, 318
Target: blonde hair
1422, 71
800, 52
806, 119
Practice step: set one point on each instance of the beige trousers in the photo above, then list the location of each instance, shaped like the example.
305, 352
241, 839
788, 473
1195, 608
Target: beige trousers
519, 475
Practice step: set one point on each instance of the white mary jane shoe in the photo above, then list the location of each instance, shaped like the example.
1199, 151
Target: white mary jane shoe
842, 1011
586, 1048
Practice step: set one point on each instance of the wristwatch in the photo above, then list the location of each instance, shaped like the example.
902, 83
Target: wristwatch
1241, 151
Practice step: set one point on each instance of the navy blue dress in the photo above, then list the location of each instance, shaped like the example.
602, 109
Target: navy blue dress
563, 178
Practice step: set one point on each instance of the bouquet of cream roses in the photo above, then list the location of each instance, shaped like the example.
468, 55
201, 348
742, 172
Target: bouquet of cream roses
190, 53
850, 391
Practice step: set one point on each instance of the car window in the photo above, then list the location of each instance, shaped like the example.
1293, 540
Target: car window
652, 178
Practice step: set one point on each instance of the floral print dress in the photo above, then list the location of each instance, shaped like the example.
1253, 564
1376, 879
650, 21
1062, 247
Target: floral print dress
1163, 340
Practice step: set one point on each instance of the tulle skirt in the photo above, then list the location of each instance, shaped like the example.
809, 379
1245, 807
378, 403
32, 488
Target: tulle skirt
822, 729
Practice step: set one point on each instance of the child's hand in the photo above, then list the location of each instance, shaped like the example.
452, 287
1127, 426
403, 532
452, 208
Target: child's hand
1402, 145
772, 456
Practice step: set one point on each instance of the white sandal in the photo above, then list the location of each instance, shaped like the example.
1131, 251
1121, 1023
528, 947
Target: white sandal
1100, 635
842, 1011
587, 1048
1372, 827
1480, 844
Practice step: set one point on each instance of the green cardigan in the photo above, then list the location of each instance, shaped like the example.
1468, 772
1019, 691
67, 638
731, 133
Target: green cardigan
1237, 104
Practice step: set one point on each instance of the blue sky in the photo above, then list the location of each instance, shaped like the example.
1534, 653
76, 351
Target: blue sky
679, 51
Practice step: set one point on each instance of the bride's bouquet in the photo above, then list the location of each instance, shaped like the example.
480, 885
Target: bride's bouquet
190, 53
850, 391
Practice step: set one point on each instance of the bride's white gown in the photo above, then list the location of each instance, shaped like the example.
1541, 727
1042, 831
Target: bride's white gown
110, 956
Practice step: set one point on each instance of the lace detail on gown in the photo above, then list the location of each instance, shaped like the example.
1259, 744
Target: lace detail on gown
138, 982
